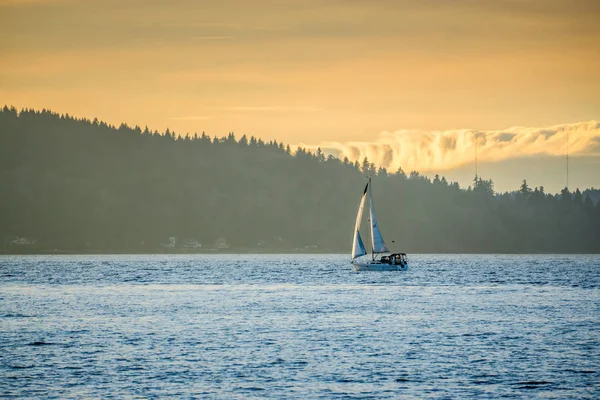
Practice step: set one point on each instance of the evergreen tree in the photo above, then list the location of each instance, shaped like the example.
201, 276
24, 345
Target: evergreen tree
84, 185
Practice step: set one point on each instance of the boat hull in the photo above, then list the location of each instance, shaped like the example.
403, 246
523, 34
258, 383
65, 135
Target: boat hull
370, 266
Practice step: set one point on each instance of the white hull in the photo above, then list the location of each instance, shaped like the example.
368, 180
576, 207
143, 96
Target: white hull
377, 266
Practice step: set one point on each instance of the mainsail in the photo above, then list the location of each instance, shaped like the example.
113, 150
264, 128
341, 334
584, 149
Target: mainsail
376, 237
358, 248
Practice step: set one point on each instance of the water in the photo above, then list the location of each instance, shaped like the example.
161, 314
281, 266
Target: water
288, 326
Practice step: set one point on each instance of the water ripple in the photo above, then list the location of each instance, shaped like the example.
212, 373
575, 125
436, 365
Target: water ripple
286, 326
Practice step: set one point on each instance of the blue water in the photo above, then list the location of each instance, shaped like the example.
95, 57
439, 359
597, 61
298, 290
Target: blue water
288, 326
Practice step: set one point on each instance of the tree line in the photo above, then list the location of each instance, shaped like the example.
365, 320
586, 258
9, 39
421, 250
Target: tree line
80, 185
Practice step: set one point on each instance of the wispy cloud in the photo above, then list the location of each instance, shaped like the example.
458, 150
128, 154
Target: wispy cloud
445, 150
192, 118
178, 23
212, 37
17, 3
268, 108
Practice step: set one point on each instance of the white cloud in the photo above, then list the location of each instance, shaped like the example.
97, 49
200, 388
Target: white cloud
446, 150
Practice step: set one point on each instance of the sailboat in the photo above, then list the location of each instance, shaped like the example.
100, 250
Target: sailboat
381, 259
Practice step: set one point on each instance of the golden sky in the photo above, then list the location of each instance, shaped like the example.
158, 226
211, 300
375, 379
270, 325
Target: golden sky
306, 71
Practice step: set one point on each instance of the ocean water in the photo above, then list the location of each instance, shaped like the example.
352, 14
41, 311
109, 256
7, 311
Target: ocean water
299, 326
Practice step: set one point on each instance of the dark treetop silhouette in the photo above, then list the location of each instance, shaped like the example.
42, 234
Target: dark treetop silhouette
79, 185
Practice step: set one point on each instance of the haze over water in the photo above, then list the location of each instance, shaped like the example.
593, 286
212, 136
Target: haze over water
299, 326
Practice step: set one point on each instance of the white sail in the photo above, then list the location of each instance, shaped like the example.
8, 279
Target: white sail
376, 237
358, 248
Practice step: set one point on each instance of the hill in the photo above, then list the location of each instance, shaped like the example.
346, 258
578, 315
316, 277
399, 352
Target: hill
80, 186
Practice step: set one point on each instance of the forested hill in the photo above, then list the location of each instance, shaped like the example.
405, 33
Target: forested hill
78, 185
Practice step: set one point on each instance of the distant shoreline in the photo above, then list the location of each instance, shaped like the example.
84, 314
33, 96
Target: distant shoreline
171, 252
245, 251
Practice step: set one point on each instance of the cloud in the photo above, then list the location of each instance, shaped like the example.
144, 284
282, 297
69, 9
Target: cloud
213, 37
268, 108
446, 150
19, 3
192, 118
178, 23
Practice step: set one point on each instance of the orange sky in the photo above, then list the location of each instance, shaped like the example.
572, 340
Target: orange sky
309, 71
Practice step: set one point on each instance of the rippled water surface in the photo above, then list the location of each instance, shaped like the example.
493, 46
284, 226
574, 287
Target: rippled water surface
288, 326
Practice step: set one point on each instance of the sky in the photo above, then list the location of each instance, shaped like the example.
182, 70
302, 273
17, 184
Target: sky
353, 77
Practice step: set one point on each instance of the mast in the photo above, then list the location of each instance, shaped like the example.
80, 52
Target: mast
370, 219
